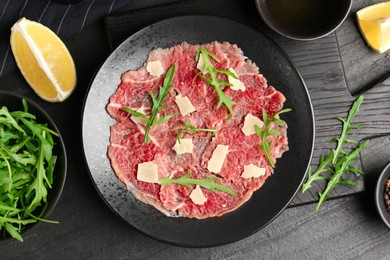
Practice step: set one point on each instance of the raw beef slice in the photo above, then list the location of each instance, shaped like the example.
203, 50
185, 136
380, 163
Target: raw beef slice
127, 147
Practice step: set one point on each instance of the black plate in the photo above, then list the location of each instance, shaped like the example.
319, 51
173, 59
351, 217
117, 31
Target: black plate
266, 203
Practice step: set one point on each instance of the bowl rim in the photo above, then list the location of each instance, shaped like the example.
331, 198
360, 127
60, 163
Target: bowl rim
380, 205
61, 146
302, 38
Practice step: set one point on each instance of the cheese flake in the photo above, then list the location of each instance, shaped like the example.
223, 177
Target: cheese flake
201, 64
139, 120
147, 172
185, 146
252, 171
197, 196
184, 104
249, 124
155, 68
217, 158
237, 84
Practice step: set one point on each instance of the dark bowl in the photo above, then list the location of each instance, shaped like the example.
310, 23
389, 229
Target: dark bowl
14, 102
303, 19
379, 192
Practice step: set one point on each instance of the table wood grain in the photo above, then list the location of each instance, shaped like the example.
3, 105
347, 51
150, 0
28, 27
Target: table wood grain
346, 228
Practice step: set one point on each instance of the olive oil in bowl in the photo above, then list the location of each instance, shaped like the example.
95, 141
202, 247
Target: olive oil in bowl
303, 19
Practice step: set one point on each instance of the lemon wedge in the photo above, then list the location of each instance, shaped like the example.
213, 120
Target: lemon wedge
43, 60
374, 24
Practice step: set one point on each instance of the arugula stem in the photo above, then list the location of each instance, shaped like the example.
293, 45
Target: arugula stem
192, 129
264, 133
316, 176
340, 168
208, 183
347, 127
213, 80
338, 161
157, 105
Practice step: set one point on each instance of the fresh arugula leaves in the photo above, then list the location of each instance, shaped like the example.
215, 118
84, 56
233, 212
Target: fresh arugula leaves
341, 167
338, 162
213, 79
192, 129
157, 105
26, 169
264, 133
208, 183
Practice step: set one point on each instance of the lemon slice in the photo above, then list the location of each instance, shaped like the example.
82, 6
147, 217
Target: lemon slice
43, 59
374, 24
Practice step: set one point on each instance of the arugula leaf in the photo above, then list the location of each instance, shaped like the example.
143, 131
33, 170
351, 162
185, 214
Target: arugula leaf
208, 183
347, 126
340, 168
316, 176
337, 163
214, 81
264, 133
26, 169
193, 129
157, 105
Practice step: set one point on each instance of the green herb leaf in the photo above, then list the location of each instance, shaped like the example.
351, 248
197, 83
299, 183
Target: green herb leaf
208, 183
192, 129
338, 162
26, 169
134, 113
157, 105
316, 176
347, 126
214, 81
341, 168
264, 133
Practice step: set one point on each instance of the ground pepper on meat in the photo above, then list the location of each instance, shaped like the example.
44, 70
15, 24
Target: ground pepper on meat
386, 195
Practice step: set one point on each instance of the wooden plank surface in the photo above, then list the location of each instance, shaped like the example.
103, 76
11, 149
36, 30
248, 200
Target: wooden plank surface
346, 228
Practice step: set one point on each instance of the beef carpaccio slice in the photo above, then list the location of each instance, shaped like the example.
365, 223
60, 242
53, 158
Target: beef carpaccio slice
127, 147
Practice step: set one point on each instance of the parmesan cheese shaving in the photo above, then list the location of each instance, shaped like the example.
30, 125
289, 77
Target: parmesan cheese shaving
237, 84
147, 172
184, 104
252, 171
185, 146
201, 64
155, 68
217, 158
197, 196
249, 124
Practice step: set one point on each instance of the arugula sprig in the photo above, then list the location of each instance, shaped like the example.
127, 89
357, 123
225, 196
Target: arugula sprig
193, 129
207, 183
347, 126
338, 162
264, 133
341, 167
214, 81
157, 105
26, 169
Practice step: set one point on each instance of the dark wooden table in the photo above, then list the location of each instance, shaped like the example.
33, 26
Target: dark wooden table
344, 228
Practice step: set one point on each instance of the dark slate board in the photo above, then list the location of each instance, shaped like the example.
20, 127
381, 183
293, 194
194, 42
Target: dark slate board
319, 62
357, 58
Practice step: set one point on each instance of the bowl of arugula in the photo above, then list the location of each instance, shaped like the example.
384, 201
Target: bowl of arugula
32, 166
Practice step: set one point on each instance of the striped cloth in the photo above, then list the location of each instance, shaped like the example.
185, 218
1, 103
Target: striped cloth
65, 20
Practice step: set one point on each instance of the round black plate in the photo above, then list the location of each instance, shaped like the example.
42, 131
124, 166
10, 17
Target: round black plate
266, 203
